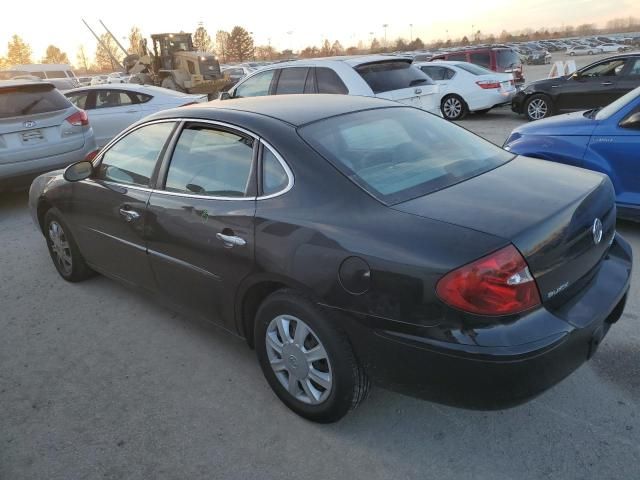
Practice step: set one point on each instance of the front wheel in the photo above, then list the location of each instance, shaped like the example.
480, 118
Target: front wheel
453, 107
538, 107
307, 361
63, 249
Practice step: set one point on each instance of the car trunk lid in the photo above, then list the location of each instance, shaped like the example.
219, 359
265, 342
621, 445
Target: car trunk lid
548, 211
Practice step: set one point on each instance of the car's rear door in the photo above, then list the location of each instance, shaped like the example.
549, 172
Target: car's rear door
400, 81
108, 211
200, 226
33, 124
112, 111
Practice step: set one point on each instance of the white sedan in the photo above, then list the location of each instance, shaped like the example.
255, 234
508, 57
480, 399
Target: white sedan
612, 47
466, 87
112, 108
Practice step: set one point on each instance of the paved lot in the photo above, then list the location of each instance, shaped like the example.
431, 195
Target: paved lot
98, 382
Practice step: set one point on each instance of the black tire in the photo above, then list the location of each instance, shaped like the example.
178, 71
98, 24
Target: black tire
538, 106
453, 107
572, 54
482, 112
350, 384
78, 270
590, 52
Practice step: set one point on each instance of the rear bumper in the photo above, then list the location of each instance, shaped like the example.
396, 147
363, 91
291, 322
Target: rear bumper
18, 174
489, 377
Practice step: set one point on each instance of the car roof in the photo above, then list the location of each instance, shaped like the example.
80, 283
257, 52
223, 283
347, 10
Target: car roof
352, 60
22, 83
295, 110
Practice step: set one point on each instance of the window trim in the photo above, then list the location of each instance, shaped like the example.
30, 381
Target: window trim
163, 162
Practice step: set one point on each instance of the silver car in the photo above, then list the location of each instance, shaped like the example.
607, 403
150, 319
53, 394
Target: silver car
40, 130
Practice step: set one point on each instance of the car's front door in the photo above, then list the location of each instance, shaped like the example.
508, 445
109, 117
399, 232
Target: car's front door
595, 86
200, 226
108, 210
111, 111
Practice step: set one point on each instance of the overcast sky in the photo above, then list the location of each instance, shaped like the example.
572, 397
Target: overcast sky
296, 24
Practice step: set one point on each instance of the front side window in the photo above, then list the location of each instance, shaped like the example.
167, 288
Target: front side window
211, 162
256, 86
133, 158
292, 80
400, 153
392, 75
610, 68
635, 67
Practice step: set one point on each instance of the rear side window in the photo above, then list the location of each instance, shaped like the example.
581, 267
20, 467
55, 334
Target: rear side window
132, 159
393, 75
274, 177
256, 86
292, 80
457, 57
56, 74
141, 97
481, 58
79, 99
112, 98
329, 81
211, 162
31, 99
436, 73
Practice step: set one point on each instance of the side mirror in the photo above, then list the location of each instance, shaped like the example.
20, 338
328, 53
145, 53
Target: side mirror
632, 121
576, 75
78, 171
224, 96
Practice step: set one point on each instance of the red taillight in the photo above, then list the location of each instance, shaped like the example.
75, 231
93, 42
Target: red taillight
78, 119
487, 84
498, 284
91, 155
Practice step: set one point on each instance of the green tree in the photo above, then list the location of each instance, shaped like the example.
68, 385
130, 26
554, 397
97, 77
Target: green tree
325, 49
201, 39
108, 55
135, 41
265, 52
464, 41
55, 55
18, 51
416, 44
400, 45
375, 46
240, 45
222, 45
310, 52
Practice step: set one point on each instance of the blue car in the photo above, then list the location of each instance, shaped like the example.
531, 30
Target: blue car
606, 140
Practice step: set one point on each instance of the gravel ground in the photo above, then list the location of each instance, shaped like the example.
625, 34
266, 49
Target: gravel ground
99, 382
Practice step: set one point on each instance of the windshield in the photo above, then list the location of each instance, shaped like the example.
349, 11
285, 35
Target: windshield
30, 99
507, 59
399, 153
614, 107
392, 75
474, 69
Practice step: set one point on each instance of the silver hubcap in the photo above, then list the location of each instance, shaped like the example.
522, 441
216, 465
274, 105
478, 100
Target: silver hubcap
537, 109
298, 359
452, 108
60, 247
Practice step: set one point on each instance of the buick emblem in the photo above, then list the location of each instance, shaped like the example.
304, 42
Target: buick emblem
596, 231
29, 124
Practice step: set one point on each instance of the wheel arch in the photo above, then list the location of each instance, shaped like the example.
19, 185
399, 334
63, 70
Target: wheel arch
44, 205
253, 291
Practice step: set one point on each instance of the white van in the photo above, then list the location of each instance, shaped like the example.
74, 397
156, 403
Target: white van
61, 75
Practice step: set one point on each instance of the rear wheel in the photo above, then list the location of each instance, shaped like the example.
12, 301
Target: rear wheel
63, 249
453, 107
538, 107
307, 361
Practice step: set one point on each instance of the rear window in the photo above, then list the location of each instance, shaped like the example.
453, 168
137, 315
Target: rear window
400, 153
507, 59
474, 69
30, 99
393, 75
56, 74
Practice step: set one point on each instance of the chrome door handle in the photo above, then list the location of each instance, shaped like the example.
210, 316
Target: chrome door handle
231, 240
606, 84
129, 215
417, 91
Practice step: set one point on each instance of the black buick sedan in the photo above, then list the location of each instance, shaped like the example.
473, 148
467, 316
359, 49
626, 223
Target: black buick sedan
351, 240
